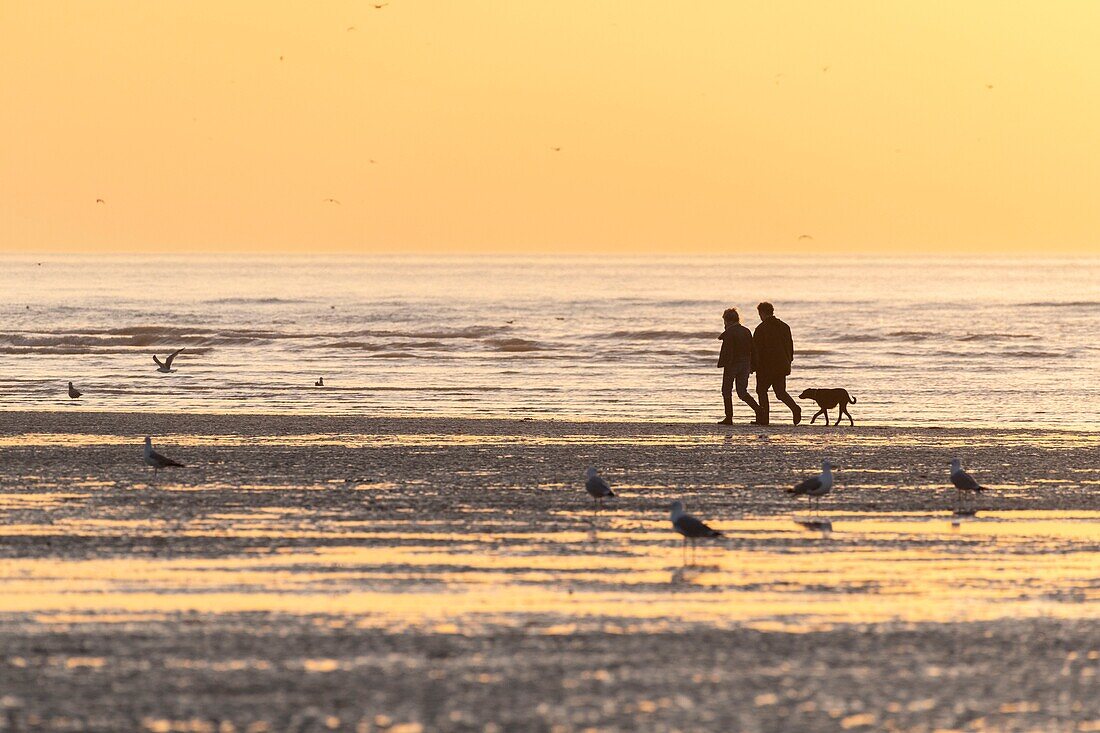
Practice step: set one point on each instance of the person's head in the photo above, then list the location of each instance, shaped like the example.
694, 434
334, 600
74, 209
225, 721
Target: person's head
731, 316
765, 309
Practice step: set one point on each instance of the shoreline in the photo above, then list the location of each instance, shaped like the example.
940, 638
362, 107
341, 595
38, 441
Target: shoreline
14, 421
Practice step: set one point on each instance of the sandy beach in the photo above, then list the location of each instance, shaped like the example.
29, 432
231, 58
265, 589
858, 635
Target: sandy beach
328, 573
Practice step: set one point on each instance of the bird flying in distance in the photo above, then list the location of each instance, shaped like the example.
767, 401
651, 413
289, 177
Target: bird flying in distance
379, 7
804, 236
100, 201
332, 201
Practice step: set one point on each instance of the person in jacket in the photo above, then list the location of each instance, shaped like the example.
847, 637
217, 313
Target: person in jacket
773, 352
735, 361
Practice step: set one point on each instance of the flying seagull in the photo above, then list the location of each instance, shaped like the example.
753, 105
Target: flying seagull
597, 487
73, 391
804, 236
332, 201
320, 382
156, 460
100, 201
816, 487
166, 366
689, 527
963, 481
379, 7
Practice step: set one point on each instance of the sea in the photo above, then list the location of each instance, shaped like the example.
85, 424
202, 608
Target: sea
918, 342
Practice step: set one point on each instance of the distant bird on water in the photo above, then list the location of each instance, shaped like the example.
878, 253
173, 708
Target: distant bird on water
320, 382
156, 460
689, 527
597, 487
818, 486
73, 391
963, 481
166, 366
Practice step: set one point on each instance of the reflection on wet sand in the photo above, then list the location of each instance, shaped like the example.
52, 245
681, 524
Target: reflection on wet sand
767, 573
401, 576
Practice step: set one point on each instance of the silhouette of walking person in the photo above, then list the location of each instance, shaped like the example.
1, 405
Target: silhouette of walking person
735, 361
773, 352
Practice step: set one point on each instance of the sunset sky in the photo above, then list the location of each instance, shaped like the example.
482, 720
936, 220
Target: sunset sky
567, 126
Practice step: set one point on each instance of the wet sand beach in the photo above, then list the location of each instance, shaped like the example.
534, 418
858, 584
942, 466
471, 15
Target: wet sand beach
346, 573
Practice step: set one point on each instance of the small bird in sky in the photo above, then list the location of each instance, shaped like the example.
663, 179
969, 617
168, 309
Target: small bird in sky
320, 382
156, 460
332, 201
379, 7
280, 58
350, 28
166, 366
100, 201
804, 236
556, 150
818, 486
989, 86
74, 392
824, 68
597, 487
689, 527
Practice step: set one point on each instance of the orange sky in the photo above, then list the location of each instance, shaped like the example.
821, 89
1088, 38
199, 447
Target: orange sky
683, 127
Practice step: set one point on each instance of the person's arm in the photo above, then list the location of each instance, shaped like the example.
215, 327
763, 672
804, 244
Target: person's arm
790, 345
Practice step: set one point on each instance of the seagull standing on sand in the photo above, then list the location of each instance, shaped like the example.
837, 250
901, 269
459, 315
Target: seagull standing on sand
166, 366
597, 487
818, 486
156, 460
73, 391
963, 481
690, 528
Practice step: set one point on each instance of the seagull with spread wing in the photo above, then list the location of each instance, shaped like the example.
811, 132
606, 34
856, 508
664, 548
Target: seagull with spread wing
166, 366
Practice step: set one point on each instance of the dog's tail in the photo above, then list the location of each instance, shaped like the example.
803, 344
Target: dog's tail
850, 397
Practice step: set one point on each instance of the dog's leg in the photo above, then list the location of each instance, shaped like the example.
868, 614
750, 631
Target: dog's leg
826, 411
816, 415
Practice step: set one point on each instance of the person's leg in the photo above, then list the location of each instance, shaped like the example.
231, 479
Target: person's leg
762, 410
779, 384
743, 389
728, 376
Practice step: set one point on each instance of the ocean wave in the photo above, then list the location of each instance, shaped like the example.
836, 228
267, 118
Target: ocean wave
255, 301
1036, 354
466, 332
1064, 304
813, 352
659, 335
514, 344
995, 336
76, 349
916, 335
